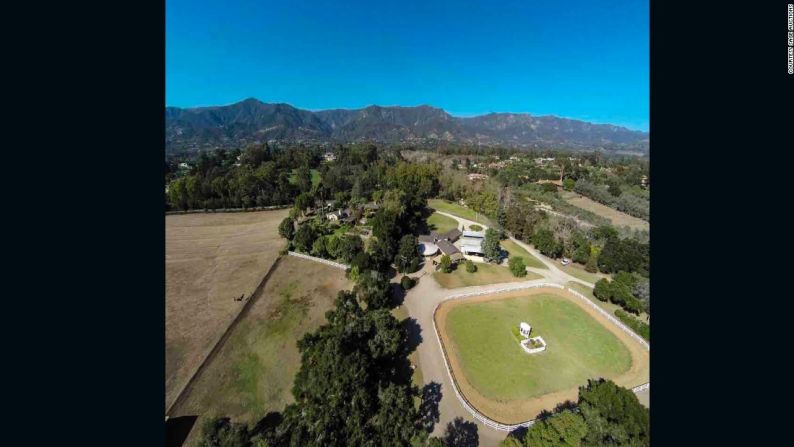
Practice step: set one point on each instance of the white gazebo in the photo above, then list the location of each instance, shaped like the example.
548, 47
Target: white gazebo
525, 329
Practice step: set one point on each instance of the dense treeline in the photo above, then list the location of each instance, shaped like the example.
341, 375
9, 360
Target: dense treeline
258, 176
599, 249
604, 415
629, 291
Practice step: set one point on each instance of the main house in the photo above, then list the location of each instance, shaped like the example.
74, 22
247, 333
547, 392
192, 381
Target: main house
431, 244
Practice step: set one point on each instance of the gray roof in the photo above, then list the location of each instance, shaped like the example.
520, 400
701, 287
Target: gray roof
426, 238
446, 247
451, 235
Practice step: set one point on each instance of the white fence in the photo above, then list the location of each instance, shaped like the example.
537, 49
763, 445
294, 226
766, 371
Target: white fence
510, 427
320, 260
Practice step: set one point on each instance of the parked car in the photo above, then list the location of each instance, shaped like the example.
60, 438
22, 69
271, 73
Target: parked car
565, 261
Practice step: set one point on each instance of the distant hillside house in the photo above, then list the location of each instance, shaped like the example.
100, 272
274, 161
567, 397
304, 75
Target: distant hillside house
329, 156
341, 216
543, 161
474, 177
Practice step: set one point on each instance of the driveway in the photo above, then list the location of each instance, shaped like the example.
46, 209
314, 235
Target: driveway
421, 302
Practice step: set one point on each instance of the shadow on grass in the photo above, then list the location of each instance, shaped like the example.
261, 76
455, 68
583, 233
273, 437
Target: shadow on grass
177, 429
428, 408
461, 433
413, 332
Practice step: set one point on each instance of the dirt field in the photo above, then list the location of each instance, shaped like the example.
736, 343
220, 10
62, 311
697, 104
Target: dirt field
210, 259
514, 411
616, 217
253, 372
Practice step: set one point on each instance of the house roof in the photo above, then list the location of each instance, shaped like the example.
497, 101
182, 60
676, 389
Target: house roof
452, 235
426, 238
447, 248
473, 234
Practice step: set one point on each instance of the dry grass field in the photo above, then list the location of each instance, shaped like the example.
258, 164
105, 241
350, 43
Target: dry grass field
254, 370
616, 217
210, 259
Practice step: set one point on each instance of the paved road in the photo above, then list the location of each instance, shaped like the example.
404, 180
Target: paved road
421, 301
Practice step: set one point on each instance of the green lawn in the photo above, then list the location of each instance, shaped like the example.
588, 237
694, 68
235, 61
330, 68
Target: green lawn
441, 223
578, 347
485, 274
515, 250
578, 271
457, 210
293, 178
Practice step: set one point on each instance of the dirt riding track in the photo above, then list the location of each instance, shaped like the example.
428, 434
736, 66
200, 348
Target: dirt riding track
516, 411
210, 259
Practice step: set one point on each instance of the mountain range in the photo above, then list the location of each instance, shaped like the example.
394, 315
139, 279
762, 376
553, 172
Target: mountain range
254, 122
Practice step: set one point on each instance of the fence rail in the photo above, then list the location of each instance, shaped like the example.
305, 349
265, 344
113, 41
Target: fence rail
320, 260
488, 422
228, 210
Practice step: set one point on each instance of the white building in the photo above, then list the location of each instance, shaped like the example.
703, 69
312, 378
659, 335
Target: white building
525, 329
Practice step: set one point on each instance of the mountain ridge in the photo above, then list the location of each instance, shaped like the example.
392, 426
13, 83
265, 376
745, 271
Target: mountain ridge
252, 121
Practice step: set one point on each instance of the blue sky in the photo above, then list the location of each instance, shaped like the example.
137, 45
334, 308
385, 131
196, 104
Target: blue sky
583, 59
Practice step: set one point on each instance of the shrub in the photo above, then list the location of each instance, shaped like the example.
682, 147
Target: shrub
286, 228
474, 227
470, 266
592, 263
517, 266
642, 329
407, 282
603, 290
445, 264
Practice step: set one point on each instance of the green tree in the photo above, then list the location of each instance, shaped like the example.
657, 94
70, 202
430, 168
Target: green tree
592, 263
221, 432
470, 266
318, 247
490, 245
304, 177
407, 259
517, 266
546, 243
614, 189
568, 184
445, 264
564, 429
603, 290
304, 201
613, 415
286, 228
304, 238
349, 246
373, 289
